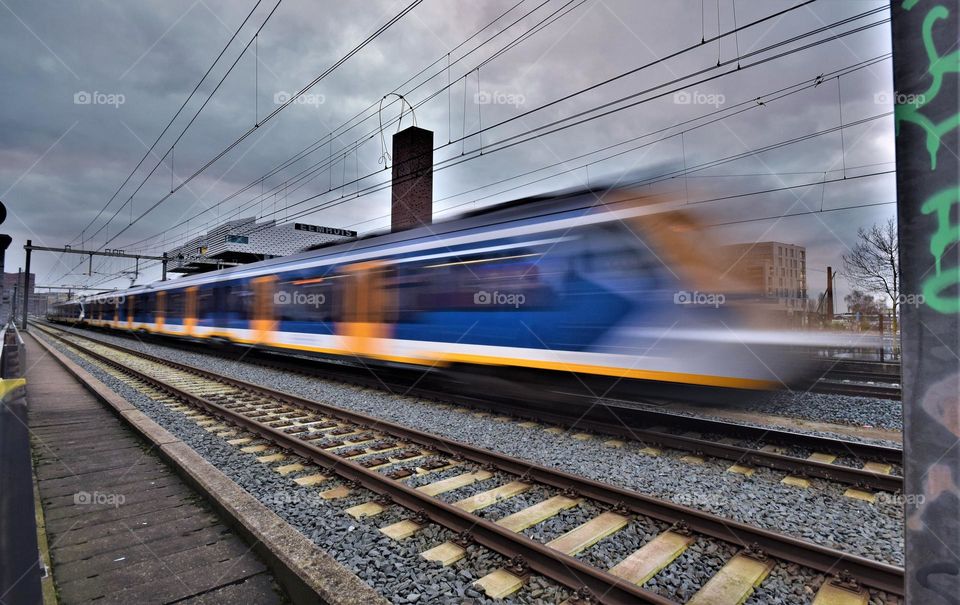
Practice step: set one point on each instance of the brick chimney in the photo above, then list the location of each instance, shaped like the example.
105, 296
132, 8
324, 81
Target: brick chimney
412, 188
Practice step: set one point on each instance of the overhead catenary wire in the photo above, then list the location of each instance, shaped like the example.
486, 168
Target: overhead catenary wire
293, 98
512, 141
478, 32
677, 53
173, 119
483, 129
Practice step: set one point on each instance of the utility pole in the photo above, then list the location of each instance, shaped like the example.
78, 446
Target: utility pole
4, 244
828, 302
926, 65
26, 284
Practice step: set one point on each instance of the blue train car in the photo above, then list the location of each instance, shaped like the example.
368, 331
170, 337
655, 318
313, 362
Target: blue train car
564, 284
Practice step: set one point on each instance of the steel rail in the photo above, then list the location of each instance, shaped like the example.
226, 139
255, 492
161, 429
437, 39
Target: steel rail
564, 569
627, 421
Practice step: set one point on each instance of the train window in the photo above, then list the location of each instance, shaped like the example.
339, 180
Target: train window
206, 303
238, 300
144, 310
513, 279
304, 299
176, 304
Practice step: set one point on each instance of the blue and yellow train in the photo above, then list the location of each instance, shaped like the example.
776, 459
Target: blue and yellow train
562, 284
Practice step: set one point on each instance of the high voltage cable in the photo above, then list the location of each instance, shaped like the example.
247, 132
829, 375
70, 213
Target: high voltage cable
592, 87
267, 118
459, 159
614, 102
170, 123
750, 105
323, 140
333, 158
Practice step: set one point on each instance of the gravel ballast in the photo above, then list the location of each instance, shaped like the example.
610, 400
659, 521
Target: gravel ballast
820, 514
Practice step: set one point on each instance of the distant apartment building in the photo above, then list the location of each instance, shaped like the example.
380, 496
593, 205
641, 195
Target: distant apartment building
13, 289
776, 272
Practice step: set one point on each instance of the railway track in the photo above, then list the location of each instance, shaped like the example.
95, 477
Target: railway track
753, 446
385, 458
860, 378
857, 388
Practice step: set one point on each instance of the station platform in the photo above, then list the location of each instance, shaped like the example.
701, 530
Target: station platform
120, 525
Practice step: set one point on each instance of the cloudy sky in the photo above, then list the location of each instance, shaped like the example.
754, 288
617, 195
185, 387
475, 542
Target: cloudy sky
90, 84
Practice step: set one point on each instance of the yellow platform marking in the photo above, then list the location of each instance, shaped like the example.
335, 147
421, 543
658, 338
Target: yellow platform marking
692, 459
240, 441
773, 449
447, 553
831, 594
740, 469
583, 436
795, 481
656, 554
651, 451
367, 509
859, 494
401, 529
528, 424
8, 385
341, 491
878, 467
589, 533
271, 458
310, 480
824, 458
614, 443
499, 584
286, 469
253, 449
452, 483
541, 511
492, 496
734, 583
553, 430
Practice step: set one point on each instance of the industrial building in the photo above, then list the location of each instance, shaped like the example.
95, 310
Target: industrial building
245, 241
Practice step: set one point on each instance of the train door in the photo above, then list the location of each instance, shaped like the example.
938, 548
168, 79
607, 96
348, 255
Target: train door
130, 312
364, 313
263, 320
190, 311
161, 310
115, 324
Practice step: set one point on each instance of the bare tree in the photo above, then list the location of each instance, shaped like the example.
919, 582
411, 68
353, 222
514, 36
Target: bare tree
862, 303
873, 264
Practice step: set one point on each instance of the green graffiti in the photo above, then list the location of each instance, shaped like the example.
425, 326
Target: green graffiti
938, 67
947, 234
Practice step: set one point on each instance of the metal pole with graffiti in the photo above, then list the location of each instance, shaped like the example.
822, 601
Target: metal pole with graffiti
926, 65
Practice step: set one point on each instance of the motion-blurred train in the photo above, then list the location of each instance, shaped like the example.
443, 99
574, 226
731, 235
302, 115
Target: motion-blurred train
585, 284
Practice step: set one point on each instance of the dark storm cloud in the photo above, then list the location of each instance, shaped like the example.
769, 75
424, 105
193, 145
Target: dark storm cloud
60, 161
